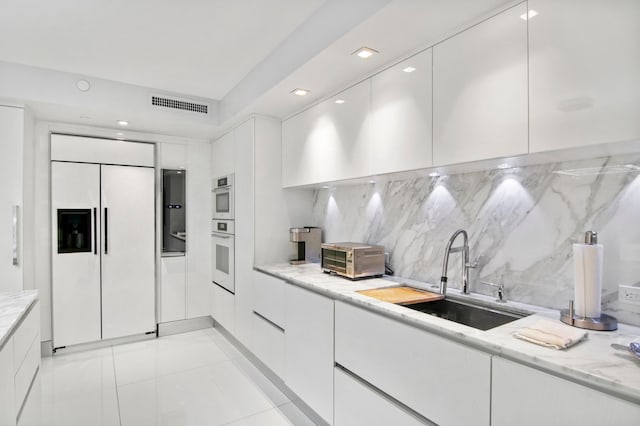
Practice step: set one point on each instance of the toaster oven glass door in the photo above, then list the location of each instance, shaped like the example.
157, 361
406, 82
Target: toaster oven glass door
335, 260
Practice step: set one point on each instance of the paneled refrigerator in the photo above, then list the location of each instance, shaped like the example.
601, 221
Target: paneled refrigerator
103, 245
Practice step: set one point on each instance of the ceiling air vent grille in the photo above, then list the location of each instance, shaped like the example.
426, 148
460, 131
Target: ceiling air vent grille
159, 101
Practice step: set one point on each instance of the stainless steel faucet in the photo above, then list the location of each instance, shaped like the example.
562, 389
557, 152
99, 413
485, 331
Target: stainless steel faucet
464, 249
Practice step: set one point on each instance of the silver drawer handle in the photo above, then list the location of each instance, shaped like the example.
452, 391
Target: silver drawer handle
14, 234
224, 237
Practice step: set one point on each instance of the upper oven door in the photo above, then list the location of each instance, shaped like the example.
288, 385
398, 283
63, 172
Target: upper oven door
223, 198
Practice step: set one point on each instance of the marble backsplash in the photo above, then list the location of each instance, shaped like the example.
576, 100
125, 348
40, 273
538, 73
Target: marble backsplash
521, 222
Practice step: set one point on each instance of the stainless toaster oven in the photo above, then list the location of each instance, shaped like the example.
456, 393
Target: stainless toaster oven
353, 260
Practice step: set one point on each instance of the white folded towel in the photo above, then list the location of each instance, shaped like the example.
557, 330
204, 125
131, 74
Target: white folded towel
551, 334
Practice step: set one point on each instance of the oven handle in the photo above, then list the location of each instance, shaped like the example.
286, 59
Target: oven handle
223, 236
222, 189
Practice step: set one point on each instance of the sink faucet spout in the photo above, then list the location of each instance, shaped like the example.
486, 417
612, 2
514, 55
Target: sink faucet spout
464, 249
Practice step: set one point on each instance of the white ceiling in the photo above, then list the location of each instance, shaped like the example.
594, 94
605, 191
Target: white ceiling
249, 54
196, 47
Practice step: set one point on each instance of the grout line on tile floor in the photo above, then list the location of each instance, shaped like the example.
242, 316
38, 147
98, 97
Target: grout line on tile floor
247, 416
115, 379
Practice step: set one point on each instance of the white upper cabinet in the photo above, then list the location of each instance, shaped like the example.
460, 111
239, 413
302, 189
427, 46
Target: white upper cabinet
330, 141
223, 155
480, 91
401, 119
584, 71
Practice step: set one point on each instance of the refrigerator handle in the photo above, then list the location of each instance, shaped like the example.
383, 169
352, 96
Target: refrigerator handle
14, 234
106, 231
95, 230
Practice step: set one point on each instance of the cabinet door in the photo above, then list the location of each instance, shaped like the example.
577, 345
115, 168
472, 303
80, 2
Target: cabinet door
480, 91
11, 169
223, 308
584, 67
401, 119
330, 141
268, 298
198, 230
357, 403
75, 256
223, 156
267, 343
309, 349
172, 289
520, 395
243, 135
425, 372
7, 389
128, 251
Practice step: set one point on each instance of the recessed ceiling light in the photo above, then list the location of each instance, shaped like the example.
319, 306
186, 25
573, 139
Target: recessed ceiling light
504, 166
372, 181
300, 92
409, 69
325, 187
83, 85
530, 14
119, 134
339, 101
123, 122
365, 52
434, 174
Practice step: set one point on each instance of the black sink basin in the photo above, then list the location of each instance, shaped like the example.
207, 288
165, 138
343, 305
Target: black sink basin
462, 313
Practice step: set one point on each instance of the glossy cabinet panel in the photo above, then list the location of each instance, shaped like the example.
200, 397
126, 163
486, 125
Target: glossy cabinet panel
480, 91
223, 308
522, 393
401, 119
359, 404
309, 349
584, 68
330, 141
425, 372
172, 288
7, 387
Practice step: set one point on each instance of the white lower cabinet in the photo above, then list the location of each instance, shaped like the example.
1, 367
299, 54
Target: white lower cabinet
309, 349
223, 308
7, 389
525, 396
357, 403
172, 288
268, 343
427, 373
20, 393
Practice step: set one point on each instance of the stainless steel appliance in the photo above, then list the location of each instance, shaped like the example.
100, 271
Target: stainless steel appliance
307, 242
223, 198
353, 260
223, 252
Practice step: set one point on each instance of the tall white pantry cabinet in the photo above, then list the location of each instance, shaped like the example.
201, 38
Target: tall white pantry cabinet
103, 239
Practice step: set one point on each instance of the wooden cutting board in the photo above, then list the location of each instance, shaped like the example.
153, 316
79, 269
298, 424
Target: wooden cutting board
402, 295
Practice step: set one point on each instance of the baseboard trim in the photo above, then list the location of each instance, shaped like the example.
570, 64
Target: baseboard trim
104, 343
183, 326
277, 381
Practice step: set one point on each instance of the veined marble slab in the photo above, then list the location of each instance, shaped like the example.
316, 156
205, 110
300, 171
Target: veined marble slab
592, 362
522, 223
13, 307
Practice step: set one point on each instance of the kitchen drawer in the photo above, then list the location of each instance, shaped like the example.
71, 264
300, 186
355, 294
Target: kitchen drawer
7, 388
223, 308
268, 298
357, 403
31, 414
425, 372
24, 375
268, 343
24, 335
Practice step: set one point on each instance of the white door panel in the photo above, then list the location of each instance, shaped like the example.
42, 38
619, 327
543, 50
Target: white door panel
128, 263
75, 275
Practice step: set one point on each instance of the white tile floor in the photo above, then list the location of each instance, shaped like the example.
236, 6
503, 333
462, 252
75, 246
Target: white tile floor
195, 378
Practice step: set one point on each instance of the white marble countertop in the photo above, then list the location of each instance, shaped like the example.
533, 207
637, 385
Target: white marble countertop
13, 306
592, 362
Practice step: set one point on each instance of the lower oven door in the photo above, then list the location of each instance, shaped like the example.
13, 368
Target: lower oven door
223, 265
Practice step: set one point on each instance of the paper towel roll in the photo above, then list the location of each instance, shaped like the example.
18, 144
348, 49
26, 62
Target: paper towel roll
587, 262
